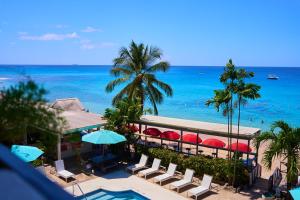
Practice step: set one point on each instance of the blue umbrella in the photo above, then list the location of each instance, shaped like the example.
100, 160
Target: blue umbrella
103, 137
295, 193
26, 153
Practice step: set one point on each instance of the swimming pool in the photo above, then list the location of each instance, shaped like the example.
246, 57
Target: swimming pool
105, 195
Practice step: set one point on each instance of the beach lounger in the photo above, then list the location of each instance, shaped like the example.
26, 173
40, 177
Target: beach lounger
140, 165
60, 169
203, 188
168, 175
187, 180
154, 168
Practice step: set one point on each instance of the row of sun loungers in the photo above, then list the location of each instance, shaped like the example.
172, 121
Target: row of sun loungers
170, 173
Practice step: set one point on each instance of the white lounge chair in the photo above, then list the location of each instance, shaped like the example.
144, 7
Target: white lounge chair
140, 165
168, 175
203, 188
60, 170
187, 180
154, 168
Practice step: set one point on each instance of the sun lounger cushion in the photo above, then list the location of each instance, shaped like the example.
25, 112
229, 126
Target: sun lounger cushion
180, 183
198, 190
60, 168
140, 165
169, 174
203, 188
154, 168
65, 174
187, 179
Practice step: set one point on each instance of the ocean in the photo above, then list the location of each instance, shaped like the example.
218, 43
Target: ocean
192, 86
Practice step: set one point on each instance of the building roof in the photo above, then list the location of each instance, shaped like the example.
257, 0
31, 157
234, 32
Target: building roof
77, 119
68, 104
81, 120
199, 126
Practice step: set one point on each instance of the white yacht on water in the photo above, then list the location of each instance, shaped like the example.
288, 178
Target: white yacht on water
272, 77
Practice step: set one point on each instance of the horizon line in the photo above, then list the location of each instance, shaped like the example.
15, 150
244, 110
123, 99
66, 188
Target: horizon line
102, 65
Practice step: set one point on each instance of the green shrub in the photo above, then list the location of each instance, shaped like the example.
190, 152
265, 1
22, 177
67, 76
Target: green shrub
221, 169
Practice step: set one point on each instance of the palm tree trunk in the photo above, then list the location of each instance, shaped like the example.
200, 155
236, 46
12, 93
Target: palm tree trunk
237, 142
289, 182
142, 102
231, 116
228, 129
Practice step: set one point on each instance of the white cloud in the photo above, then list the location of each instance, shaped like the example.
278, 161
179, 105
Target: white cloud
48, 36
88, 45
90, 29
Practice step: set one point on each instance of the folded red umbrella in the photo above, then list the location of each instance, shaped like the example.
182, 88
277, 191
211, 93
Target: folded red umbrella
172, 135
242, 147
213, 142
191, 137
152, 132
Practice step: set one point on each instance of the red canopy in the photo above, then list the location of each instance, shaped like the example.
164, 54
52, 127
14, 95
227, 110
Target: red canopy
133, 128
242, 147
191, 137
213, 142
172, 135
152, 131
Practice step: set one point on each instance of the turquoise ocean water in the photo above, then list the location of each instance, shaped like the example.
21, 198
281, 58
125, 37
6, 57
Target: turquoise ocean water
192, 87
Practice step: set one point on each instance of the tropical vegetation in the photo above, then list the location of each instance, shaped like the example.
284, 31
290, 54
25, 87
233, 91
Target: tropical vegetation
284, 144
119, 118
219, 168
235, 93
136, 68
26, 118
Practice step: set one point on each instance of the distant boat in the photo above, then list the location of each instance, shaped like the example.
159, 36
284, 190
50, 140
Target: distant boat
272, 77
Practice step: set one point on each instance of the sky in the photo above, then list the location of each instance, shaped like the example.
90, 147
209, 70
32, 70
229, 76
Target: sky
189, 32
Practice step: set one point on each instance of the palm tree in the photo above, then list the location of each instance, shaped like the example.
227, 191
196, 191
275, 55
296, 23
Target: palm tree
229, 78
222, 99
136, 67
244, 91
284, 142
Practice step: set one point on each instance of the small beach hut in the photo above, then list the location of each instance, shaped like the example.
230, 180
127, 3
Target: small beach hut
77, 120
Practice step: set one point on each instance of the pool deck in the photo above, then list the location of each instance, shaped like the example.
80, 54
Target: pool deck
120, 180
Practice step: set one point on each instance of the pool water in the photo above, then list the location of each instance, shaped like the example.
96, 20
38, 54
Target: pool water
109, 195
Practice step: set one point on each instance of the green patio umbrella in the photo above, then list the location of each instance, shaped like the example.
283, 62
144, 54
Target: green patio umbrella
26, 153
103, 137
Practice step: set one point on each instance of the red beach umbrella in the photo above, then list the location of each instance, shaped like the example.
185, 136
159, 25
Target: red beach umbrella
172, 135
133, 128
152, 132
242, 147
191, 137
213, 142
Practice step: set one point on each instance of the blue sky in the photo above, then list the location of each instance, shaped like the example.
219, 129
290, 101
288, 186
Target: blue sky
190, 32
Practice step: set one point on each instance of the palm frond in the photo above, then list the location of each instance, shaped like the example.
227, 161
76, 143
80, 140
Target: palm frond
111, 85
161, 66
